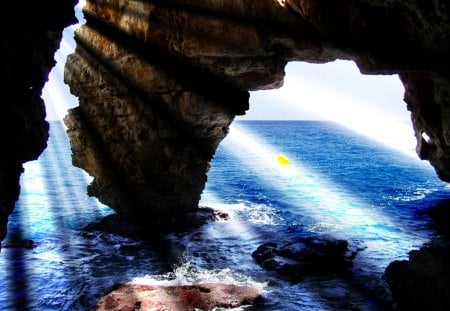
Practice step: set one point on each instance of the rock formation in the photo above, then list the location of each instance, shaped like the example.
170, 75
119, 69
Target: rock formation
423, 281
27, 47
305, 257
207, 296
159, 82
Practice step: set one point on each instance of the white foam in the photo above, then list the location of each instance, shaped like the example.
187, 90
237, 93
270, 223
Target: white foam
185, 274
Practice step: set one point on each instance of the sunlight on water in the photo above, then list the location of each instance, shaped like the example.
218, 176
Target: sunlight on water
70, 268
34, 198
330, 205
371, 105
186, 274
236, 226
350, 112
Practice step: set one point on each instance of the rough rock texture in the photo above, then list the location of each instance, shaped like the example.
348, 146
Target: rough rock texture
428, 98
305, 257
159, 82
423, 281
27, 47
207, 296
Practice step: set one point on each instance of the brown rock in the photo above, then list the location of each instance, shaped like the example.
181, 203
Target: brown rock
160, 82
178, 298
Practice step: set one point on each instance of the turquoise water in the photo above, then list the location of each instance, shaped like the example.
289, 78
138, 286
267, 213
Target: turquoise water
337, 183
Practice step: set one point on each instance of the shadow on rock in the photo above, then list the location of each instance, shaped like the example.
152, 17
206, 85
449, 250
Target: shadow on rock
117, 224
423, 281
440, 218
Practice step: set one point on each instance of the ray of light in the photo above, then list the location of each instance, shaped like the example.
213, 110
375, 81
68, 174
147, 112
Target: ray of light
369, 105
351, 114
330, 205
56, 94
57, 97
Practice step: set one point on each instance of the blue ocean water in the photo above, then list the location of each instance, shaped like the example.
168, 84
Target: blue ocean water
337, 183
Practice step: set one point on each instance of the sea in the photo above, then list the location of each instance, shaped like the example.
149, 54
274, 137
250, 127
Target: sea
331, 182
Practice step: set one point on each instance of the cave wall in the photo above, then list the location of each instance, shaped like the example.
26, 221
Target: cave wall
159, 82
27, 47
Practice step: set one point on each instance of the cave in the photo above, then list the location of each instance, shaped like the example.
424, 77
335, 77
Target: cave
160, 82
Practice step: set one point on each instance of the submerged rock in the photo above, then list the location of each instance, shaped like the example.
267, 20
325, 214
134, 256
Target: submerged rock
423, 281
206, 296
305, 257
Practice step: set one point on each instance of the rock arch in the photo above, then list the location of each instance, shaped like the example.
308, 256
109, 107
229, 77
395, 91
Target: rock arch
159, 82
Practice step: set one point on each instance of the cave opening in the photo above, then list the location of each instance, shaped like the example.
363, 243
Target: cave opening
326, 189
56, 93
336, 93
371, 105
287, 184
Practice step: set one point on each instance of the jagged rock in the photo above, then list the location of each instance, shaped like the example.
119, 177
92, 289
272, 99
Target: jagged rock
147, 140
207, 296
159, 82
427, 96
423, 281
305, 257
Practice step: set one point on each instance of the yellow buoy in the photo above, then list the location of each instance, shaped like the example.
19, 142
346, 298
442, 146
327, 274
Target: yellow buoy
283, 160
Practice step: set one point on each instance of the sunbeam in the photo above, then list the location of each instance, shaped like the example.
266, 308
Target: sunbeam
315, 191
331, 205
370, 105
56, 94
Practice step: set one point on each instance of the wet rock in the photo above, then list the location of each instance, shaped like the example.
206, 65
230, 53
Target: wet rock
265, 251
305, 257
117, 224
423, 281
159, 82
178, 298
220, 215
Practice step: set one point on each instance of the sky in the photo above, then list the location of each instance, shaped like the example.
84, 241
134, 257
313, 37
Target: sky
338, 83
336, 91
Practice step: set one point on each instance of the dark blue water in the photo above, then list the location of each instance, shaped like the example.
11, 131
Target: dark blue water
337, 183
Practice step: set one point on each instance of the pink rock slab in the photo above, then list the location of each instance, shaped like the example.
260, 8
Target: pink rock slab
130, 297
